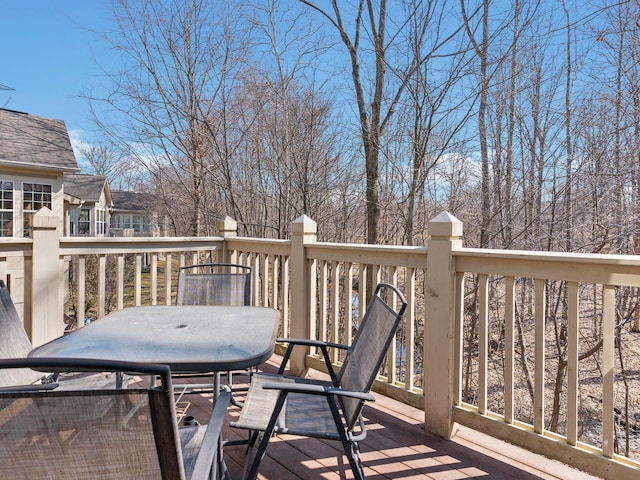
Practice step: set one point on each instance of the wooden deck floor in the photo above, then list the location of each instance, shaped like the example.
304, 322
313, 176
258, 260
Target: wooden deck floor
396, 447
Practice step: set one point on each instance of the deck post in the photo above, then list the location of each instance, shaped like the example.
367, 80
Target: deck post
227, 228
303, 289
46, 321
439, 354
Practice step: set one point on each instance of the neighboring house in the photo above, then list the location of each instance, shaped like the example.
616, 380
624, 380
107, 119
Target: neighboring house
35, 153
88, 204
135, 214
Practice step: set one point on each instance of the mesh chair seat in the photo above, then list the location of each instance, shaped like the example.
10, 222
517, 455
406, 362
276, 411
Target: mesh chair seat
301, 414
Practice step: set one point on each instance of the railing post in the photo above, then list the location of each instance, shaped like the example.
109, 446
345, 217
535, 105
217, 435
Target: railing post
439, 353
303, 289
46, 321
227, 228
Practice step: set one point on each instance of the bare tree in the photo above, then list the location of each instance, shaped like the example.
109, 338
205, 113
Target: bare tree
432, 112
481, 48
123, 173
379, 84
175, 55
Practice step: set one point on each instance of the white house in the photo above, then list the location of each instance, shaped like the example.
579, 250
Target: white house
88, 205
35, 153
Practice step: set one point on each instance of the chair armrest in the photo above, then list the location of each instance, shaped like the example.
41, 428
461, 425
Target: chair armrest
311, 343
323, 390
209, 448
323, 346
34, 387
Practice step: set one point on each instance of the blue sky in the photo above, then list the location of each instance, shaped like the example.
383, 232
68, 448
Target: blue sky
48, 57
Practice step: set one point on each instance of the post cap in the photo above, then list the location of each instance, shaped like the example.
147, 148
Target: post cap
445, 225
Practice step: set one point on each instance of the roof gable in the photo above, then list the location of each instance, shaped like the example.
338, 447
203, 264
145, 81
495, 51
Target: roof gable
32, 141
87, 188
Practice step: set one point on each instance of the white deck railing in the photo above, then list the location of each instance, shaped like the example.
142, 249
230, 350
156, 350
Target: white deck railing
478, 321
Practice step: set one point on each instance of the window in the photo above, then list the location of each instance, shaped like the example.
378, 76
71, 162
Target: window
34, 197
84, 221
101, 222
139, 223
6, 208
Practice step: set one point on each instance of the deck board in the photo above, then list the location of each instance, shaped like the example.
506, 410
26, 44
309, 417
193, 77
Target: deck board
396, 447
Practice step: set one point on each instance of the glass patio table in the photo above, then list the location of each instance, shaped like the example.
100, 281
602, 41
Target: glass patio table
190, 339
187, 338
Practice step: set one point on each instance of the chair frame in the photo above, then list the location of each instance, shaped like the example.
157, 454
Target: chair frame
208, 452
244, 270
345, 405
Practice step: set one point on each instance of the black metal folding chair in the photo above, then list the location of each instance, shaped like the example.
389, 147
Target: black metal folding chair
212, 284
280, 403
102, 433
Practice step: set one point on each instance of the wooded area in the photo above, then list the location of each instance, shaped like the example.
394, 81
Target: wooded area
521, 118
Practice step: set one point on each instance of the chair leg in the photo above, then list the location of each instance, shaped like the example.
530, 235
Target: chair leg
251, 441
262, 449
266, 436
350, 446
353, 455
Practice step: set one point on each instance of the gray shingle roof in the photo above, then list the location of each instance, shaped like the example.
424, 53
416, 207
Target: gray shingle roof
30, 140
85, 187
134, 201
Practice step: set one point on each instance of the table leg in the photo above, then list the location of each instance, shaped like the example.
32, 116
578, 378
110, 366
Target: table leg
220, 470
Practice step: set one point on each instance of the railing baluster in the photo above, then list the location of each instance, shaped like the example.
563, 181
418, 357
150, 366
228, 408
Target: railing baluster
275, 273
82, 291
265, 279
120, 280
254, 261
334, 296
392, 355
348, 299
322, 298
168, 279
458, 338
572, 363
509, 347
608, 367
153, 270
102, 287
362, 291
138, 280
284, 311
540, 330
483, 338
410, 322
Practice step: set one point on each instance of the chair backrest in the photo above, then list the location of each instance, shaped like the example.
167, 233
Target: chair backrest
14, 342
114, 434
214, 284
369, 347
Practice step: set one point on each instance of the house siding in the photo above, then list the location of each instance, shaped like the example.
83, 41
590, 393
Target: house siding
18, 179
